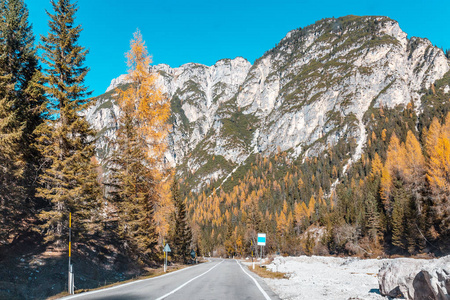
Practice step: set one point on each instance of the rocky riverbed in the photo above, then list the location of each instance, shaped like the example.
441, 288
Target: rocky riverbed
352, 278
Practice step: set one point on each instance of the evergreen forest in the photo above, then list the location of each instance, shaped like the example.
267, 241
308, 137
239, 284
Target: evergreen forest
49, 171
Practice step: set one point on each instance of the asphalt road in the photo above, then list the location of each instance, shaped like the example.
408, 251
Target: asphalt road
218, 279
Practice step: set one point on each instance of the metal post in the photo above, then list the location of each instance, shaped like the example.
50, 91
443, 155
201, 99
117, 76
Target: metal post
70, 276
253, 262
165, 261
260, 262
164, 255
71, 281
69, 290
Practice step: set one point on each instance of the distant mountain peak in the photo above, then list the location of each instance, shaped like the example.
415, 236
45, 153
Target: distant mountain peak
311, 90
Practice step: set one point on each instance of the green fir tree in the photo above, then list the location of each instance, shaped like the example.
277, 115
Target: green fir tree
182, 233
398, 217
66, 141
132, 189
21, 98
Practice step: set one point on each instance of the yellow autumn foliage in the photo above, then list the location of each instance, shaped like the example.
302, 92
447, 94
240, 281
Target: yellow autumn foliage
438, 173
145, 102
377, 166
149, 109
414, 159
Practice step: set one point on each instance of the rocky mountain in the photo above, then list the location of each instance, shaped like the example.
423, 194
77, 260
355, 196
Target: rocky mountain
310, 91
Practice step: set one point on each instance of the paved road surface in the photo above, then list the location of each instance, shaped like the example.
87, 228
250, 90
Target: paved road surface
218, 279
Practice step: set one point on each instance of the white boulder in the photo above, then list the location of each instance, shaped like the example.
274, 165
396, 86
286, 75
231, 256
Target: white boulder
416, 279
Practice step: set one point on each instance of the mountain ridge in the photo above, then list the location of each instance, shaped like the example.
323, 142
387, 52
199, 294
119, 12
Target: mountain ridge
310, 90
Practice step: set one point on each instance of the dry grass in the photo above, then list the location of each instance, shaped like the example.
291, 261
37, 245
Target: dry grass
57, 296
263, 272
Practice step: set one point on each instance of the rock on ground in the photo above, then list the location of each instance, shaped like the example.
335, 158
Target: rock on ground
416, 279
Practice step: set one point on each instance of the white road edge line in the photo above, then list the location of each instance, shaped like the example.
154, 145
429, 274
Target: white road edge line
256, 282
125, 284
186, 283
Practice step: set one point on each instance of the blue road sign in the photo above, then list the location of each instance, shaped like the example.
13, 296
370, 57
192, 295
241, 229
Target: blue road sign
167, 248
261, 239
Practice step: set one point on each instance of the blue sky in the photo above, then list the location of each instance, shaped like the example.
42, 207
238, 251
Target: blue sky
177, 32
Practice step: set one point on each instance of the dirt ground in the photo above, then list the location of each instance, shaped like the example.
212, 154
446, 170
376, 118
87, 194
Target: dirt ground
29, 270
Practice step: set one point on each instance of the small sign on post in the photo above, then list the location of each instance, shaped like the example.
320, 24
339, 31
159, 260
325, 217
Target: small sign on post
166, 249
262, 243
194, 256
70, 277
261, 239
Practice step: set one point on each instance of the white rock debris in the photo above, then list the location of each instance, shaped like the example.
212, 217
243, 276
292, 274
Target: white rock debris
325, 278
334, 278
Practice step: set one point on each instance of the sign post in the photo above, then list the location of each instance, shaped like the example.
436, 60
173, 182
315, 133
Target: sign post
194, 256
262, 243
70, 277
253, 262
166, 249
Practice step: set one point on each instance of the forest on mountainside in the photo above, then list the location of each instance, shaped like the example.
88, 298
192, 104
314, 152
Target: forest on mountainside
394, 199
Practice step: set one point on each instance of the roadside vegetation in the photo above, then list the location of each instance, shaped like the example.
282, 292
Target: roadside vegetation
122, 212
262, 271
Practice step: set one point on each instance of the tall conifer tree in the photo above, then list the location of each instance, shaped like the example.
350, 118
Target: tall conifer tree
133, 188
69, 182
137, 163
21, 98
182, 232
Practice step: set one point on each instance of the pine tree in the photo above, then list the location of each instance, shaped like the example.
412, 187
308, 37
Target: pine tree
309, 244
136, 164
66, 141
393, 170
21, 98
11, 161
134, 189
229, 242
401, 199
438, 177
398, 227
182, 233
372, 217
377, 166
414, 164
432, 135
396, 154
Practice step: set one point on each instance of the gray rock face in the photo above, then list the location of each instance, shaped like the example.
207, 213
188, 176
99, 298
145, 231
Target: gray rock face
419, 279
315, 85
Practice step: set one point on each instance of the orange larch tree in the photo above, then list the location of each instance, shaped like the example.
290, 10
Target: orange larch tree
438, 177
137, 167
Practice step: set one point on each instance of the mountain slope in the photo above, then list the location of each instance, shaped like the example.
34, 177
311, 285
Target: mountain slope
309, 91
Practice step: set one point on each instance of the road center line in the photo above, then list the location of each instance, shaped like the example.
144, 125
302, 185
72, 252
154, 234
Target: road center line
186, 283
256, 282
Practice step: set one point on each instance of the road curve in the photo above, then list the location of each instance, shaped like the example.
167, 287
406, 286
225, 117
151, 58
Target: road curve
218, 279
